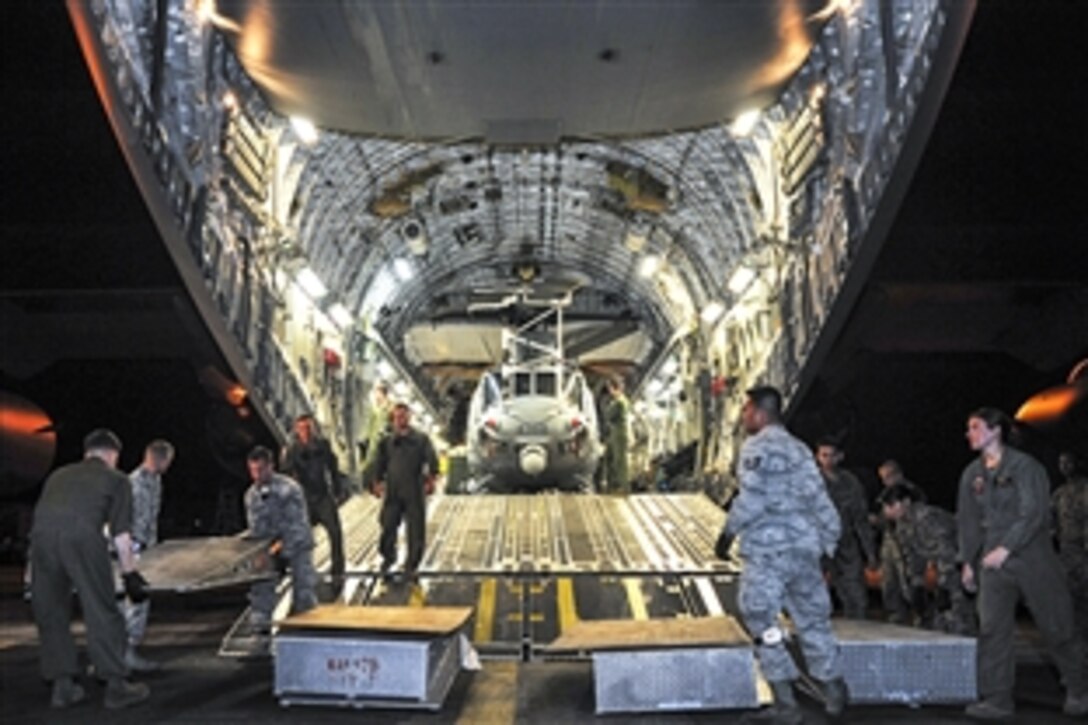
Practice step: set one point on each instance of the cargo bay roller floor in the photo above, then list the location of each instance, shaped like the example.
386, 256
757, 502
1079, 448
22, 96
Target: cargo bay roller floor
532, 565
529, 566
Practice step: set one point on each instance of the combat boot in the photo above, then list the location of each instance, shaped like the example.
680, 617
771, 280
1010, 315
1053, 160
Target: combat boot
990, 710
1075, 705
835, 696
783, 711
122, 693
66, 692
135, 662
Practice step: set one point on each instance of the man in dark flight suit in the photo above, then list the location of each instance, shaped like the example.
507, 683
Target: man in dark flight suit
1005, 547
855, 551
404, 475
68, 550
309, 460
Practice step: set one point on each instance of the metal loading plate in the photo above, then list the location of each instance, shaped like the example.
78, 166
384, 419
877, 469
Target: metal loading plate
886, 663
659, 665
198, 564
369, 656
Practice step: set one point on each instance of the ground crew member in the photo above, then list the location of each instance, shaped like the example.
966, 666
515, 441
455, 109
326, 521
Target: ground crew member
616, 419
894, 578
1069, 508
276, 510
785, 521
309, 460
146, 482
926, 535
855, 550
1007, 554
404, 475
68, 550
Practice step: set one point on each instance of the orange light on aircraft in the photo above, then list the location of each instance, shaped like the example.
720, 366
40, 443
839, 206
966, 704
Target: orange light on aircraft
1048, 405
236, 395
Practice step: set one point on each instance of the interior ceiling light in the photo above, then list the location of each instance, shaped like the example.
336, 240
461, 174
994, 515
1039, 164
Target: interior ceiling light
649, 265
340, 315
636, 238
712, 312
304, 129
742, 277
403, 269
310, 283
744, 123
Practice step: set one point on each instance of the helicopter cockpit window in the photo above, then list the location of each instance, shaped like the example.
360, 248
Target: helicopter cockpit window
492, 391
522, 384
545, 383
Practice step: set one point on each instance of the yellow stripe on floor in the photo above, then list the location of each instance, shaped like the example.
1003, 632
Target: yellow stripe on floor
485, 612
564, 602
635, 599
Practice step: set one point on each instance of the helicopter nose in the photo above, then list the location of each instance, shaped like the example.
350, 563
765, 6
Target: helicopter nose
533, 459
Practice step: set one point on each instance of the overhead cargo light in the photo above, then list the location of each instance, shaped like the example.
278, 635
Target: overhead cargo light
340, 315
741, 278
712, 312
403, 269
304, 129
381, 289
636, 238
744, 123
310, 283
649, 265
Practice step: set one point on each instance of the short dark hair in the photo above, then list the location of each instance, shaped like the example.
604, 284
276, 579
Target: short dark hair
402, 404
101, 438
261, 453
161, 449
829, 441
892, 465
766, 398
304, 416
994, 418
895, 494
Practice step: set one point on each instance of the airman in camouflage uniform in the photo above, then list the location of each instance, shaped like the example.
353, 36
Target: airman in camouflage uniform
785, 522
856, 549
1007, 554
1069, 507
276, 509
146, 483
927, 534
894, 580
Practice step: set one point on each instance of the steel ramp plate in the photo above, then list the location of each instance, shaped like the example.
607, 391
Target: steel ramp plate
200, 564
423, 621
887, 663
630, 634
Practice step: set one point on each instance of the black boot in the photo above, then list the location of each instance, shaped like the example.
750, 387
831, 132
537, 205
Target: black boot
835, 696
783, 711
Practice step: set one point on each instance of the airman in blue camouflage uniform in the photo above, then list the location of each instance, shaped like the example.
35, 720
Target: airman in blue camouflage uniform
276, 509
146, 483
785, 522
